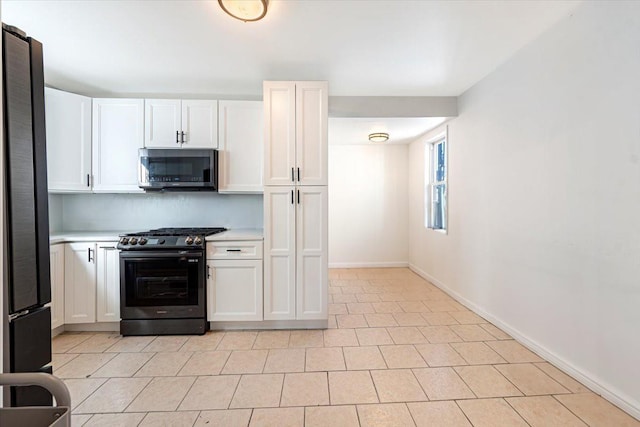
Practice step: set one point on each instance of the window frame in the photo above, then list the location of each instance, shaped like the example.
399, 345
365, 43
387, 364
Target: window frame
431, 183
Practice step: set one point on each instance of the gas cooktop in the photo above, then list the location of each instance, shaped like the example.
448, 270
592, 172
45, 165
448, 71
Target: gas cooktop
168, 238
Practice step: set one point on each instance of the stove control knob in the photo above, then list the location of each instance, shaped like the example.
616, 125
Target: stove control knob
124, 241
188, 240
198, 240
142, 241
133, 241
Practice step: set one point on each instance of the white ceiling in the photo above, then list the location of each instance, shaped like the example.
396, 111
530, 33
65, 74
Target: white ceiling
365, 48
351, 131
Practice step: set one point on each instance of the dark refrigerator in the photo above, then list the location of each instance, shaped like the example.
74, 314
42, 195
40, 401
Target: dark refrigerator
26, 286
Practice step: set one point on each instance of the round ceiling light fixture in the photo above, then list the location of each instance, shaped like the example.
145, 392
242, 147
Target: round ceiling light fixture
245, 10
378, 137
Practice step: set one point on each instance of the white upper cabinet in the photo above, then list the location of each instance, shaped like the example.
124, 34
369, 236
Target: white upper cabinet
162, 123
241, 144
68, 124
279, 133
117, 135
174, 123
295, 133
311, 133
199, 124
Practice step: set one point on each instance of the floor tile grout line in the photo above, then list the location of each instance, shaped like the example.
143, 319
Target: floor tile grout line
551, 378
90, 394
516, 411
233, 395
465, 383
462, 410
374, 386
195, 379
138, 394
569, 409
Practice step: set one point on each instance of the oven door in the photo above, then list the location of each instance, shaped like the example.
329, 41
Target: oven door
162, 285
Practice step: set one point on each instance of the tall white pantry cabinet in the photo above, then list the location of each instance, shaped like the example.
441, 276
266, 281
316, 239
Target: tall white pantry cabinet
295, 201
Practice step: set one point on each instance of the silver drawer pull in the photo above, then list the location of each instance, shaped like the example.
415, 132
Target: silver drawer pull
234, 250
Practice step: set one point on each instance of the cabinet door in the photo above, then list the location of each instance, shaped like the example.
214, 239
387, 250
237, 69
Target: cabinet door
162, 123
117, 135
56, 254
241, 144
311, 253
68, 124
311, 133
279, 133
234, 290
80, 283
108, 283
279, 253
199, 124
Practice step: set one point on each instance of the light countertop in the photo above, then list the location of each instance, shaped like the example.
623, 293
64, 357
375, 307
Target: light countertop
84, 236
237, 234
112, 236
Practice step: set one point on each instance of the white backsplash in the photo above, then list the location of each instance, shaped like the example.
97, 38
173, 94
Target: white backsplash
55, 212
98, 212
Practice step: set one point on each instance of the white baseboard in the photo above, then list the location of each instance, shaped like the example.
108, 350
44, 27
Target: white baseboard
389, 264
619, 399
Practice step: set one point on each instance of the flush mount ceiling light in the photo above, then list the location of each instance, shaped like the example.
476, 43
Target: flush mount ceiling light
378, 137
245, 10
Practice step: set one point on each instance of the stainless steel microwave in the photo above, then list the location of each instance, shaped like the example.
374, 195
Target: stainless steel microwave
178, 169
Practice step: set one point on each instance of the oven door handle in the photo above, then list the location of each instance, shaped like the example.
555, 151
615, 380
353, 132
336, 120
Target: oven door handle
170, 254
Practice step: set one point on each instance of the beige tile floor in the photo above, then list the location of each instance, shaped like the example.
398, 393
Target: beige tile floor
398, 352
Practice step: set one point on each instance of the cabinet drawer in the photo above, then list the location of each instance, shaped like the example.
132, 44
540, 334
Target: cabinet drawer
234, 250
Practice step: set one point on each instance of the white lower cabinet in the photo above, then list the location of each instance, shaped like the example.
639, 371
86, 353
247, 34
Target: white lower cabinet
108, 283
295, 253
80, 283
91, 282
234, 283
56, 260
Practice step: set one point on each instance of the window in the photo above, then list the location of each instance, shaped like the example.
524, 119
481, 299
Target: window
436, 184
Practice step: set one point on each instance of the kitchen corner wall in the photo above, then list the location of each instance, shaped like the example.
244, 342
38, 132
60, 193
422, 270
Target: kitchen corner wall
368, 205
544, 199
138, 212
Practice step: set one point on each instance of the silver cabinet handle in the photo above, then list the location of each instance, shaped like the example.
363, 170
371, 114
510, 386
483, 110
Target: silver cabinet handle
293, 179
88, 180
183, 134
208, 272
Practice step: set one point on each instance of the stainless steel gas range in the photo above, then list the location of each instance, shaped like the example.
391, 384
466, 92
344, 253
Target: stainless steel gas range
163, 281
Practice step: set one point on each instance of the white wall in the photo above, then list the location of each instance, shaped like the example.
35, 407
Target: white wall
544, 204
368, 205
144, 211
